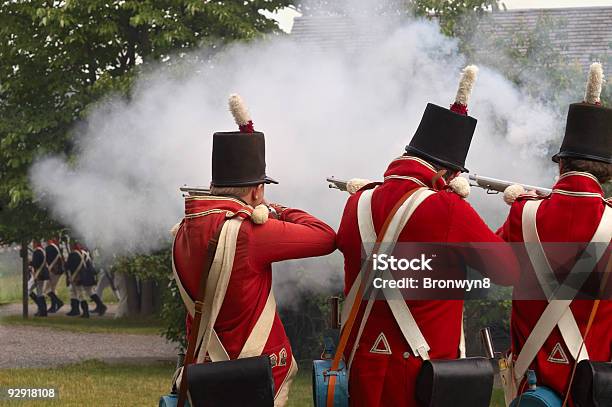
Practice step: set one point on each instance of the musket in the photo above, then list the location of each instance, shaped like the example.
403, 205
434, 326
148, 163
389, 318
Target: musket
491, 185
194, 191
495, 186
337, 183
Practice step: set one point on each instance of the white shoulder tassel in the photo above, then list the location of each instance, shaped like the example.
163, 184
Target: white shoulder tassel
260, 214
466, 84
355, 184
460, 186
512, 192
174, 230
239, 110
594, 84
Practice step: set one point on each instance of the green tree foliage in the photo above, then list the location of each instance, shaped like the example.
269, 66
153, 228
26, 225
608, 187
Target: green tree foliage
59, 57
455, 17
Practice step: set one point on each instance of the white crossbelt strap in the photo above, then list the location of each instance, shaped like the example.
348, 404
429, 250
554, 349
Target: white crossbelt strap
366, 231
55, 260
558, 312
256, 341
548, 281
398, 306
79, 267
259, 334
42, 266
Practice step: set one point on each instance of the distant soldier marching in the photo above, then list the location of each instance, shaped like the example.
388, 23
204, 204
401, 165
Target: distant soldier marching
94, 296
82, 276
38, 275
55, 265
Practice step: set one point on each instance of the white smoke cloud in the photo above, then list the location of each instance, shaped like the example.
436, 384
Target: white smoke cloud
342, 110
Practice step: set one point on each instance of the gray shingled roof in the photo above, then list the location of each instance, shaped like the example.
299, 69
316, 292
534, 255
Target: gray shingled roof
581, 34
333, 31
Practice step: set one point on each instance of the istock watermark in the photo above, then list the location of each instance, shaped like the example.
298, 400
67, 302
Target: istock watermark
382, 262
432, 283
496, 270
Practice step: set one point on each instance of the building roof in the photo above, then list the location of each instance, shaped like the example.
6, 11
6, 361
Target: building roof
581, 34
330, 31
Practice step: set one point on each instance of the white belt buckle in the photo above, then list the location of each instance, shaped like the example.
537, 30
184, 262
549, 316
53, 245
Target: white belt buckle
422, 352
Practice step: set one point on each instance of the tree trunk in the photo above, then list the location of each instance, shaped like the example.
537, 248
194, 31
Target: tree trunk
157, 295
146, 297
133, 299
25, 277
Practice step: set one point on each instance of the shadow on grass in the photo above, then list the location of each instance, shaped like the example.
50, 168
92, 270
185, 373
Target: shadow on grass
143, 326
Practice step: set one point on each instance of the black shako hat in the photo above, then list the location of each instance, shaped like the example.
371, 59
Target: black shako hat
588, 134
588, 131
239, 157
444, 135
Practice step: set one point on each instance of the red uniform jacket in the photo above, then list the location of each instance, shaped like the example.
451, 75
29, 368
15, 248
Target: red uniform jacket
294, 235
561, 218
389, 380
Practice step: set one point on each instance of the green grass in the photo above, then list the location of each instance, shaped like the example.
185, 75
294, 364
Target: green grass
300, 394
10, 288
93, 383
144, 326
498, 398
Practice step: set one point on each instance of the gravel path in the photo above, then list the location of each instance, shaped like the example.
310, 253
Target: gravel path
26, 346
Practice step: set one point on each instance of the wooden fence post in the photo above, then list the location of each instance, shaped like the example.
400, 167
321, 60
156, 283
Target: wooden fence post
25, 277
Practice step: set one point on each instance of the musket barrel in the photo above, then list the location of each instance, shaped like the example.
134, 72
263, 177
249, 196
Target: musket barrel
498, 185
195, 191
337, 184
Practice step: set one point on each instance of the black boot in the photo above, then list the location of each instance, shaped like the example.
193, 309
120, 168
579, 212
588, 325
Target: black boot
74, 308
85, 308
33, 297
42, 307
100, 307
56, 303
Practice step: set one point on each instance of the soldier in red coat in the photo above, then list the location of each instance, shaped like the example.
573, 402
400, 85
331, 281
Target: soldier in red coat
247, 323
55, 265
383, 365
574, 212
39, 274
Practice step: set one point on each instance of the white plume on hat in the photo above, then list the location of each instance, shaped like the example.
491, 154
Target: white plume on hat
466, 84
239, 110
594, 84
